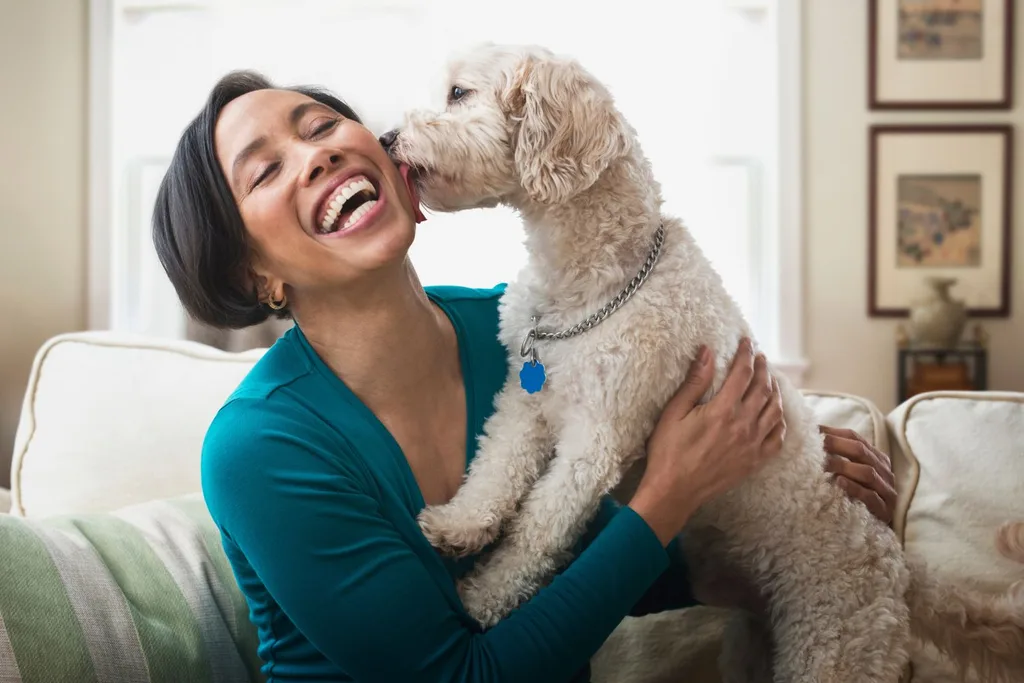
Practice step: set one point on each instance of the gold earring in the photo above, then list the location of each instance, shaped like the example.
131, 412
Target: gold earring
277, 306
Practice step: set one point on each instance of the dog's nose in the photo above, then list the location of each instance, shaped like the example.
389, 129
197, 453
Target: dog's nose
389, 138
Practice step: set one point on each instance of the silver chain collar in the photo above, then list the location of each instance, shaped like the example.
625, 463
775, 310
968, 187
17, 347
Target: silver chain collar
527, 349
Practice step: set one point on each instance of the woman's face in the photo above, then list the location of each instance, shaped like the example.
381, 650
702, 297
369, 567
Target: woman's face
323, 204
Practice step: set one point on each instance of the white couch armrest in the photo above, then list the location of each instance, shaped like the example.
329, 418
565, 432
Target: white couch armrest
5, 500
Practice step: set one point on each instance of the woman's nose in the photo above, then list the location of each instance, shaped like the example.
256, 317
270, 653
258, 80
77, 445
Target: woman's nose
318, 164
388, 138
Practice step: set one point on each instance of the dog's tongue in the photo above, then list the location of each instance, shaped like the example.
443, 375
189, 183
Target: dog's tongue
414, 194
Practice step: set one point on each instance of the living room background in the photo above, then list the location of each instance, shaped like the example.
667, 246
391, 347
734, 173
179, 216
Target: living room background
44, 193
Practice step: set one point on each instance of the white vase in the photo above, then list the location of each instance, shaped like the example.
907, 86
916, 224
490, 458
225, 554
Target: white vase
938, 319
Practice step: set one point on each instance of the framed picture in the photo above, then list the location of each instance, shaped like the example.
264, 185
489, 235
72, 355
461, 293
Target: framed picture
940, 201
940, 54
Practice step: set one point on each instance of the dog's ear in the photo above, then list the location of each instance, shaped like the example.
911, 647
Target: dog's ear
565, 127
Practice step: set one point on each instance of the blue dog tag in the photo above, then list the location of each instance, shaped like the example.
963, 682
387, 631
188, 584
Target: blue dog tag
531, 377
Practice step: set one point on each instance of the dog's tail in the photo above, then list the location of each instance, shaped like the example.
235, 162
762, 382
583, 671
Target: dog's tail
978, 632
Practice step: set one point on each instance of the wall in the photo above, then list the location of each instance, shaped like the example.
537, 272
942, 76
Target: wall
42, 188
848, 350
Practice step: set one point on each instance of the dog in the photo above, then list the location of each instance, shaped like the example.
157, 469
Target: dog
601, 323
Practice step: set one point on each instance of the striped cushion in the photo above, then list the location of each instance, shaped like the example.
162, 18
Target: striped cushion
144, 593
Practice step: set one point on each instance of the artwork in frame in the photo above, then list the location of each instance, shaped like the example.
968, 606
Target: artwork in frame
940, 204
939, 220
940, 54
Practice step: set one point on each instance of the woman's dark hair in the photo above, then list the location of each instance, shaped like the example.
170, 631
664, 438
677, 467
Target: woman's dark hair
197, 228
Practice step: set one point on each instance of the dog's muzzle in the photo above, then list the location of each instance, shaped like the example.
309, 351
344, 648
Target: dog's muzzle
387, 140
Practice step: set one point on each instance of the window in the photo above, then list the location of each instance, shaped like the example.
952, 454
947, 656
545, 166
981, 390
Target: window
710, 87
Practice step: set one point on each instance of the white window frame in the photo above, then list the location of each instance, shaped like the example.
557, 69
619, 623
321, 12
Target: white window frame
100, 212
778, 239
784, 247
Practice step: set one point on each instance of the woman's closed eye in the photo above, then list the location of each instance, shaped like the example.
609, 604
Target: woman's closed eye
263, 175
320, 127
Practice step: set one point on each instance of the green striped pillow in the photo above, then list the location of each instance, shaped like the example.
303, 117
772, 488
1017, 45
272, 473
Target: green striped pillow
144, 593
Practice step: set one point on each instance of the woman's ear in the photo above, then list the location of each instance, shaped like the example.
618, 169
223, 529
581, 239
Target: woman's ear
567, 129
267, 288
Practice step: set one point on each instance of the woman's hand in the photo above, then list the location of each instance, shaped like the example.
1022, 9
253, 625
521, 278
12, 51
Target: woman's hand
862, 471
697, 452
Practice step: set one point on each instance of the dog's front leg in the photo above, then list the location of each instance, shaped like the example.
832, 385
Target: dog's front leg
590, 460
511, 452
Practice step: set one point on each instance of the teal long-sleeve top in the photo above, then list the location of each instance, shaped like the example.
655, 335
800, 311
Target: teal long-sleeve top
317, 506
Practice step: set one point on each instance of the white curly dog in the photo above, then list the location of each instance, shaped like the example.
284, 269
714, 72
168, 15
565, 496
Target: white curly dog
534, 131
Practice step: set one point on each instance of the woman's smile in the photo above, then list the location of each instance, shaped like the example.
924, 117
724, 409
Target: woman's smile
351, 201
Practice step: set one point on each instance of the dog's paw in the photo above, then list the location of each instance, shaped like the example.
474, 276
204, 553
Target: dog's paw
456, 532
487, 602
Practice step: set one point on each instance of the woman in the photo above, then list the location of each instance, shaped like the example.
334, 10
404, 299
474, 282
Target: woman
369, 408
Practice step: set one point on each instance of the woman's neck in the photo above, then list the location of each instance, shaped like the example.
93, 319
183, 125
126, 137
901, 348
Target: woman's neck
387, 341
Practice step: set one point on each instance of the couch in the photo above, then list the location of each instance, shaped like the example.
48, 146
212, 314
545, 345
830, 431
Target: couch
112, 570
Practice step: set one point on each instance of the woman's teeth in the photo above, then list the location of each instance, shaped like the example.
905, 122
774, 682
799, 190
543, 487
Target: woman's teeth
359, 213
359, 196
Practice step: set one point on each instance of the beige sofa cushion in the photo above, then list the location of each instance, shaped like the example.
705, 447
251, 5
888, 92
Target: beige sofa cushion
110, 420
960, 462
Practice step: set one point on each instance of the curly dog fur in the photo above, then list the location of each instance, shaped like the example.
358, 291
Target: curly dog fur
528, 129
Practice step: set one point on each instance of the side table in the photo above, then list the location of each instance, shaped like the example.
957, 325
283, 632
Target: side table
923, 368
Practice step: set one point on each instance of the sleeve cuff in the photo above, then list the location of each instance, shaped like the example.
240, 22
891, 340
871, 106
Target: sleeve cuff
629, 531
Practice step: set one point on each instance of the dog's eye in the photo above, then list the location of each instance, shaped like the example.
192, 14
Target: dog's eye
456, 93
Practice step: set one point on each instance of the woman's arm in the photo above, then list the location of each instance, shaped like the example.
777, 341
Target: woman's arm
671, 590
356, 588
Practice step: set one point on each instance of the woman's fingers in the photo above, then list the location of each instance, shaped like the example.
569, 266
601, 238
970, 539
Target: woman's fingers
851, 435
863, 471
771, 413
865, 483
741, 372
852, 446
876, 505
759, 391
698, 380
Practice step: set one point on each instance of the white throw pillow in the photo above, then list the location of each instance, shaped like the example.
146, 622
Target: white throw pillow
111, 420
